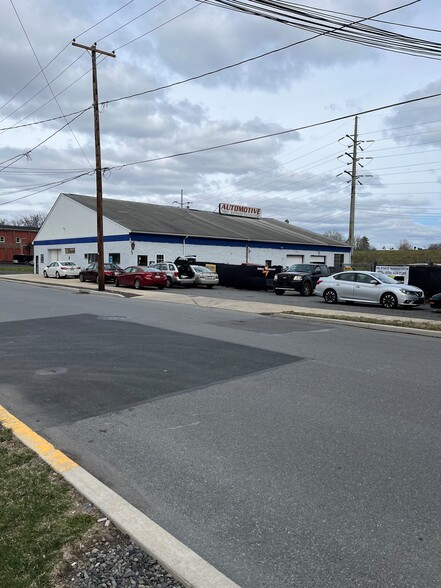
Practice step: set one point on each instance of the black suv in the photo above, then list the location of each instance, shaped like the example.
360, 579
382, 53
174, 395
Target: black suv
300, 277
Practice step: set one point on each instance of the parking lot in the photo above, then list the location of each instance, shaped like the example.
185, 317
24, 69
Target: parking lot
289, 300
309, 302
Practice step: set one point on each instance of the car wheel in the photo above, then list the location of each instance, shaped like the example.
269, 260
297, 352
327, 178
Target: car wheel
330, 296
169, 282
306, 289
57, 275
82, 278
279, 292
389, 300
97, 279
137, 284
45, 274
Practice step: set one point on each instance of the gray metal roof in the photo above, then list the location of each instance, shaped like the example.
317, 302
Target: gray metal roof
154, 219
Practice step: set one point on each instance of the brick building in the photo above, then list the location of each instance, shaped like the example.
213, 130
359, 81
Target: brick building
16, 241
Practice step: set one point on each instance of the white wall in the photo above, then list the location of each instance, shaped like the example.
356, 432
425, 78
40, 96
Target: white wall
170, 251
224, 254
69, 220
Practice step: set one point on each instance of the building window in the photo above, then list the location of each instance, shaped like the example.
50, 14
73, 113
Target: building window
69, 250
91, 257
114, 258
42, 258
268, 262
17, 239
142, 259
2, 239
159, 258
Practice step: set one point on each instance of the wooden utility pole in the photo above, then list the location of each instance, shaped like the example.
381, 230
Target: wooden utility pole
98, 171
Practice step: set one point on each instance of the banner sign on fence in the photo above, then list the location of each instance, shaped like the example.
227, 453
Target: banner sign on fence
399, 272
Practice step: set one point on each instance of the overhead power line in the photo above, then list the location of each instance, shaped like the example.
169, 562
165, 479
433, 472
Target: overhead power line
49, 85
16, 158
277, 133
243, 141
326, 22
193, 78
58, 55
54, 185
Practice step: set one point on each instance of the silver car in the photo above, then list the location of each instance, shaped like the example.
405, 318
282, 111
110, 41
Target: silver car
175, 275
368, 288
204, 277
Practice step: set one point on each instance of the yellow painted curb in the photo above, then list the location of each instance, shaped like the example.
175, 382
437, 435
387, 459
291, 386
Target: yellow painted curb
55, 458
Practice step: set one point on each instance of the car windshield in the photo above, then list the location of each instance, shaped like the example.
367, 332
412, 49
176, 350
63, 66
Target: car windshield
383, 278
201, 269
67, 263
300, 267
111, 266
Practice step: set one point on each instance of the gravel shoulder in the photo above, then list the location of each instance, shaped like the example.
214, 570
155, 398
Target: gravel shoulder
107, 558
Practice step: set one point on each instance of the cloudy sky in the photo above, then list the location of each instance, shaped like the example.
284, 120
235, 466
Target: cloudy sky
314, 89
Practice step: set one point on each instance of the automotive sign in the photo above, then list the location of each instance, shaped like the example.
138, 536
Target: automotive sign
239, 210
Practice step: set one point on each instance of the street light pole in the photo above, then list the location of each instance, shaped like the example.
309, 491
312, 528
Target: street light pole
98, 170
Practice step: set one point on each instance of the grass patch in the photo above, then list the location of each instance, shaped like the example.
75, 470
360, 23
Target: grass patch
16, 268
40, 513
396, 257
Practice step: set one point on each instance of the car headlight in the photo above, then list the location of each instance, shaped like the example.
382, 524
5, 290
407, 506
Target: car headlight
276, 277
408, 292
297, 278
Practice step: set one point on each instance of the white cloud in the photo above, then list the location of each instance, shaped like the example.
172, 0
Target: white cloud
290, 176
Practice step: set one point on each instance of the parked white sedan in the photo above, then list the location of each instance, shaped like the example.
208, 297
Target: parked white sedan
368, 288
61, 269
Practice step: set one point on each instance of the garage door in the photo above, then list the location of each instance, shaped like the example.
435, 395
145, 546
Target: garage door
53, 255
292, 259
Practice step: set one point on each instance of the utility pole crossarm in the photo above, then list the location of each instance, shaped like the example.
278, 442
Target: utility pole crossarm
93, 48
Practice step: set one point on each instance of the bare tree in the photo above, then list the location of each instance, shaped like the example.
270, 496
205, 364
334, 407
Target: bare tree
435, 246
31, 220
404, 245
336, 235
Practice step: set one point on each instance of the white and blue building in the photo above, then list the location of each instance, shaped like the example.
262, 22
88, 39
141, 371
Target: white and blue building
137, 233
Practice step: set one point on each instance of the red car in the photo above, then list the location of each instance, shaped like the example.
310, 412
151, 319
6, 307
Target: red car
139, 276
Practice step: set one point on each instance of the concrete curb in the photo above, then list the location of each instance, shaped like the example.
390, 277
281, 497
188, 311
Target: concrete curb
180, 561
364, 325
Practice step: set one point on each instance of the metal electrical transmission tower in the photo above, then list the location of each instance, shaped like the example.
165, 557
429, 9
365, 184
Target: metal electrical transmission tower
98, 170
354, 161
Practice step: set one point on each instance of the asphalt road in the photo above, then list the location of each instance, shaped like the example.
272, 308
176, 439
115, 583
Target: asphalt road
286, 452
311, 302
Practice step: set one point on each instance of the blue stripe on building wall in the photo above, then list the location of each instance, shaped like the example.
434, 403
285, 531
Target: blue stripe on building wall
139, 237
110, 239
